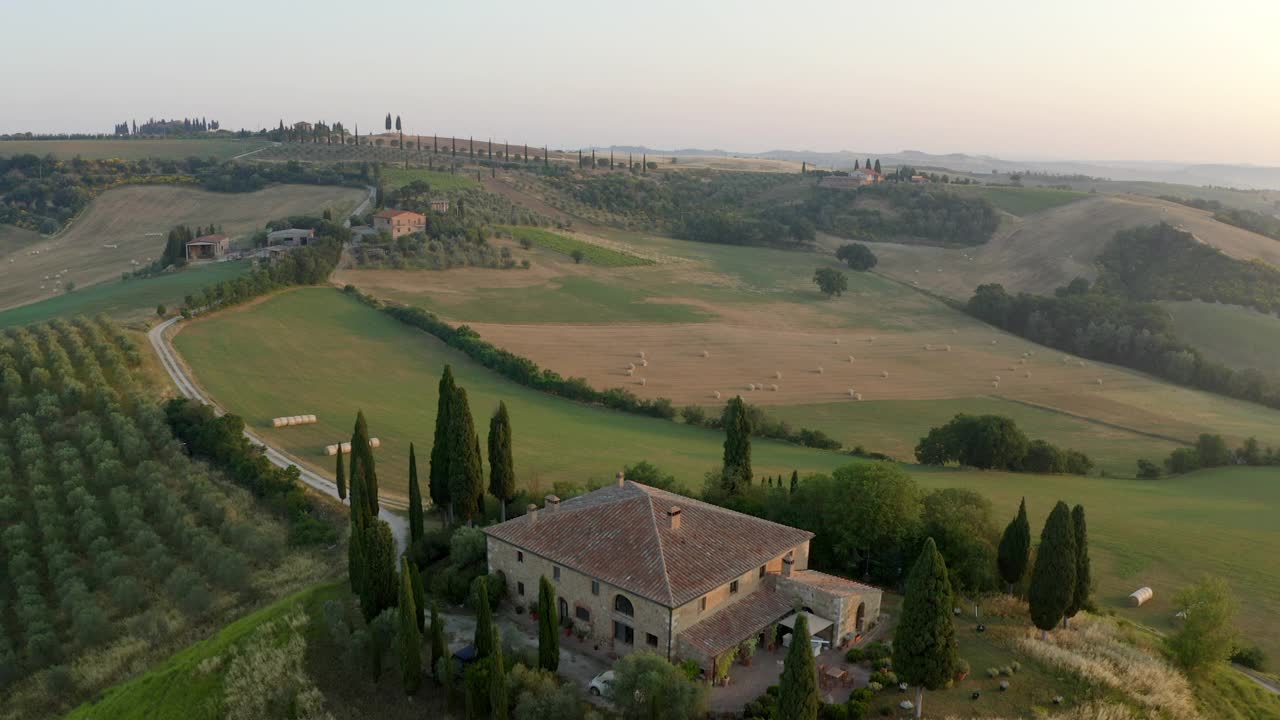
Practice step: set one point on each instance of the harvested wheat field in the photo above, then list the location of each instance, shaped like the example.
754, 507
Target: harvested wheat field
1045, 250
124, 229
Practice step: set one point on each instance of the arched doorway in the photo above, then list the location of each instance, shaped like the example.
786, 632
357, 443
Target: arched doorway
861, 617
563, 608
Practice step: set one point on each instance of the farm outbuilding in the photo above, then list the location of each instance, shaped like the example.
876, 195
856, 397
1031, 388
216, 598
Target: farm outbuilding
291, 237
208, 247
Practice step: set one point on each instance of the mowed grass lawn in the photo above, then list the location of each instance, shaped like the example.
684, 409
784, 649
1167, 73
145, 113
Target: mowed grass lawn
1236, 336
319, 352
125, 299
591, 253
177, 149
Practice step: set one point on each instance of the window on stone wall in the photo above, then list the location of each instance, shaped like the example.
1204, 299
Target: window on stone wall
582, 613
761, 571
623, 605
651, 640
555, 572
733, 588
519, 556
520, 588
595, 587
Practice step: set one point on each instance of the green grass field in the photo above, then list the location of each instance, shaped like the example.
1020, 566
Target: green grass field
316, 351
592, 254
125, 299
891, 426
1238, 337
397, 177
1025, 201
221, 148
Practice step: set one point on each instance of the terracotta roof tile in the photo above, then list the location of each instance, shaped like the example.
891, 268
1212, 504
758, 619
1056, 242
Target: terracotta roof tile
622, 535
830, 583
737, 622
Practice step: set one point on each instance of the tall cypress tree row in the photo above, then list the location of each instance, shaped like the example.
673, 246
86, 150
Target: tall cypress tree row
415, 498
483, 638
341, 476
379, 588
419, 596
409, 632
1015, 548
1053, 579
498, 709
466, 473
798, 693
795, 480
438, 646
924, 643
439, 471
356, 538
502, 474
548, 627
736, 474
362, 462
1084, 574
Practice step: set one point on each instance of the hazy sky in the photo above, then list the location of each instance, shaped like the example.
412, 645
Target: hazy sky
1089, 79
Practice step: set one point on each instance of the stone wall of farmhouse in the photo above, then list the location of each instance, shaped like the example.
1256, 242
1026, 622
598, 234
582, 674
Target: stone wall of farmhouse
843, 611
648, 618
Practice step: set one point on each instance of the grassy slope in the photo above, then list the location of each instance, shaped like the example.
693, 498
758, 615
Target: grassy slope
125, 299
316, 351
221, 148
1233, 335
593, 254
395, 178
177, 689
13, 238
1025, 201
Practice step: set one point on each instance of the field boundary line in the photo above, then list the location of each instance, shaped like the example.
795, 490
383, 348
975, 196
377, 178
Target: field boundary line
1095, 421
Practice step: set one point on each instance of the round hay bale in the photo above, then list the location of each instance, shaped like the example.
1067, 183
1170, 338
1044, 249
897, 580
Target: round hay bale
706, 354
716, 394
1079, 363
642, 382
774, 387
291, 421
851, 392
1099, 381
631, 366
1013, 368
641, 354
927, 347
948, 348
630, 372
644, 363
1141, 596
1023, 361
851, 359
375, 443
277, 422
819, 369
995, 383
751, 386
993, 342
884, 373
344, 448
857, 396
837, 341
996, 378
1026, 374
777, 374
330, 450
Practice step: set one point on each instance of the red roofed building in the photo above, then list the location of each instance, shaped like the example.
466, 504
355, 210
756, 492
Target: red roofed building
399, 222
208, 247
638, 568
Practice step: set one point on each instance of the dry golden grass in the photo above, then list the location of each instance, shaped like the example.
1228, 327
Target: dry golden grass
1091, 711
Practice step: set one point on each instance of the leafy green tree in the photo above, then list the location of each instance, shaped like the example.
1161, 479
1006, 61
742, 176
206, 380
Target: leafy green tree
483, 637
1212, 450
440, 457
548, 627
341, 476
409, 635
466, 473
959, 521
857, 256
736, 473
415, 498
1015, 548
798, 697
161, 310
1053, 579
1148, 470
498, 707
1208, 632
438, 646
502, 474
647, 687
830, 281
924, 643
646, 473
578, 256
1084, 573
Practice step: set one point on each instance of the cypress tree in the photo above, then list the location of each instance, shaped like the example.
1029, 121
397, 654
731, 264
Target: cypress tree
439, 471
1053, 579
415, 498
379, 581
438, 645
341, 474
877, 165
795, 481
362, 462
410, 637
924, 643
483, 638
498, 709
356, 538
855, 164
502, 477
1015, 548
1084, 574
736, 474
798, 697
548, 627
466, 473
444, 672
419, 596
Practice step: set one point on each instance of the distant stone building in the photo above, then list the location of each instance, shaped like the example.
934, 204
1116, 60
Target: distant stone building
208, 247
399, 222
440, 205
638, 568
294, 237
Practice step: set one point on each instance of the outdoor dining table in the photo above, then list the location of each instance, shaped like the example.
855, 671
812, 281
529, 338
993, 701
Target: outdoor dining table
836, 674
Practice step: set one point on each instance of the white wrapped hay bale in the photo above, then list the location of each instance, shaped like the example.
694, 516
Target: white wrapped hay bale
330, 450
1141, 596
375, 443
277, 422
716, 394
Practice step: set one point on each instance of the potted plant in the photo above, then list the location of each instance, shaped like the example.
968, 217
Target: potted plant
747, 649
962, 669
723, 663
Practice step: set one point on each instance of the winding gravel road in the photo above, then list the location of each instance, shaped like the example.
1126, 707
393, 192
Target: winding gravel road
177, 372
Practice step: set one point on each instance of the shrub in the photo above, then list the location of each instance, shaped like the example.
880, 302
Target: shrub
1006, 671
1015, 666
993, 672
875, 687
1250, 656
855, 655
884, 678
877, 651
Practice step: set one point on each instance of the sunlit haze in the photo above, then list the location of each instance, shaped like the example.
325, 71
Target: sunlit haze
1092, 79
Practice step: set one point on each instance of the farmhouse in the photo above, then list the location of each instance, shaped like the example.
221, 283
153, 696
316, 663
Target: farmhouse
294, 237
208, 247
638, 568
855, 179
399, 222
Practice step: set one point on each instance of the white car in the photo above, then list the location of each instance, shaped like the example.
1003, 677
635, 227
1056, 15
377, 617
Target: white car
600, 683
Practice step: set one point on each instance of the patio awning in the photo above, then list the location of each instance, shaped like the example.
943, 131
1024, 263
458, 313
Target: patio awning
817, 623
727, 628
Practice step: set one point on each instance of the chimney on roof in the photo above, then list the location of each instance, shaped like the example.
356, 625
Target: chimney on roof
622, 479
532, 512
553, 503
787, 562
673, 516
